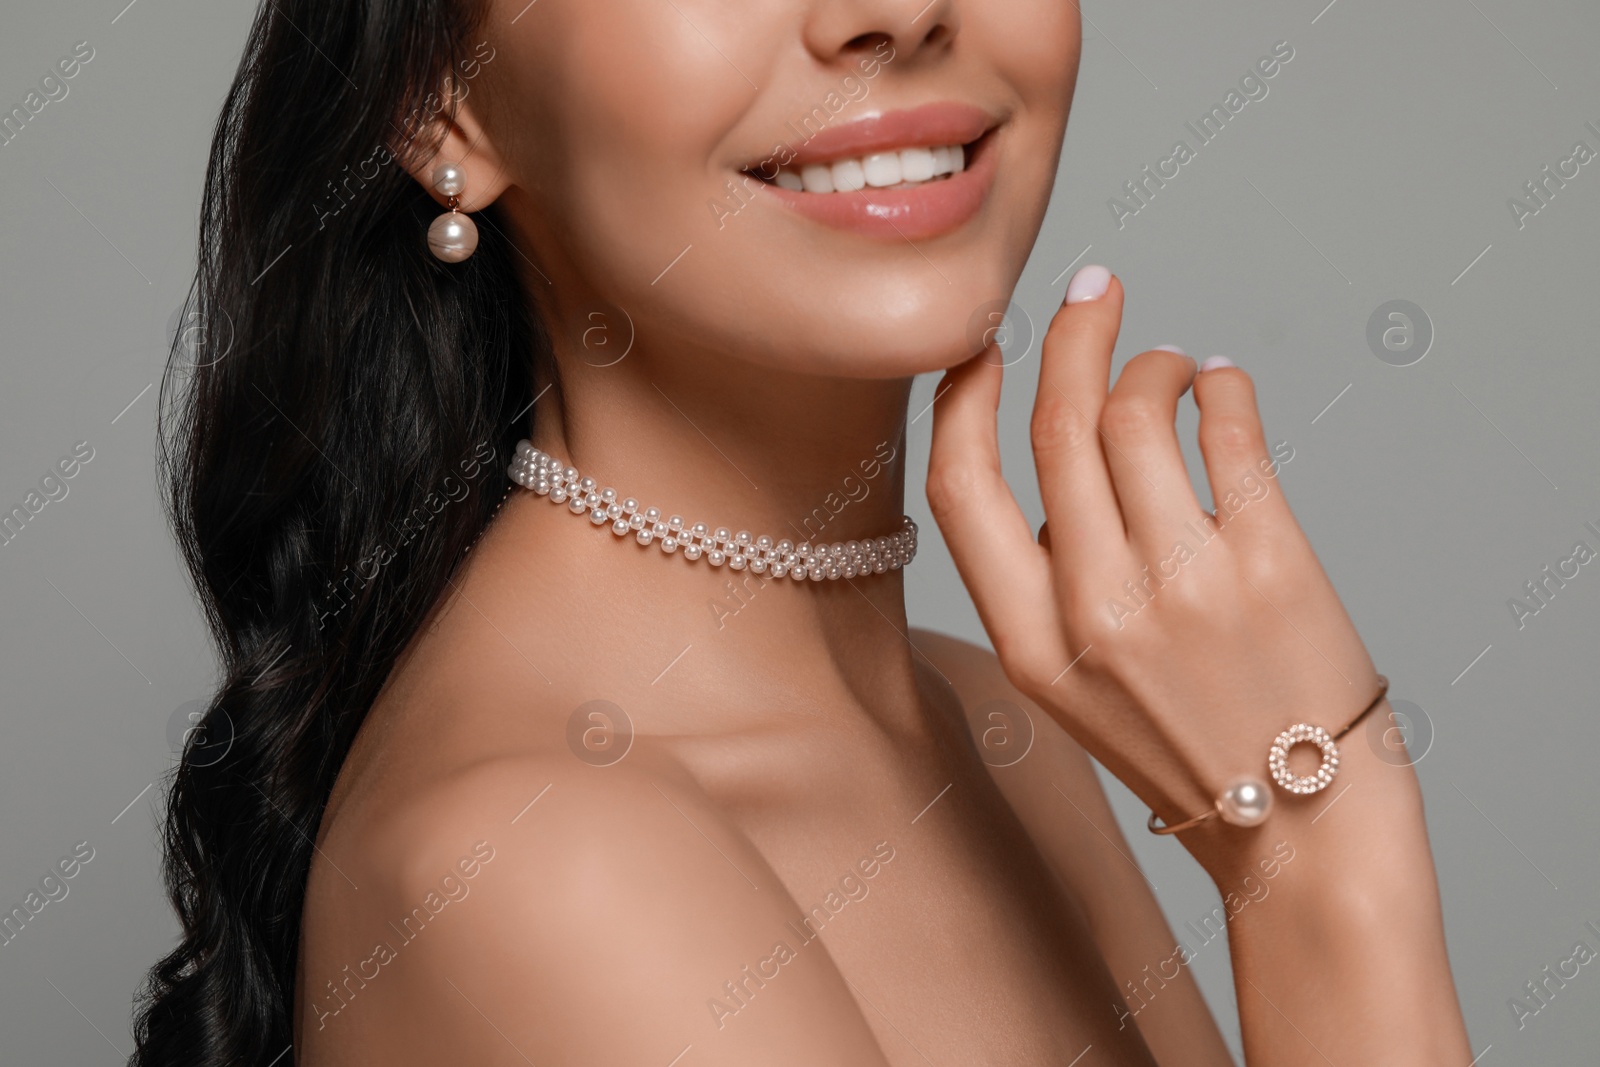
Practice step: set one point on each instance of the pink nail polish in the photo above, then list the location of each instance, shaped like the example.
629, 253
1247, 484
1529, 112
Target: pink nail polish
1216, 363
1090, 283
1170, 348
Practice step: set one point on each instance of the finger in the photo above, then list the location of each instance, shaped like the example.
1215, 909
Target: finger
1006, 572
1239, 466
1142, 450
1074, 372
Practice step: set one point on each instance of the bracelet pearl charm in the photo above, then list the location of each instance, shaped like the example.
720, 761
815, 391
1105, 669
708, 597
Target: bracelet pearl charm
1246, 802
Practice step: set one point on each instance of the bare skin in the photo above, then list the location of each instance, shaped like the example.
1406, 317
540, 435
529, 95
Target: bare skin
995, 934
813, 751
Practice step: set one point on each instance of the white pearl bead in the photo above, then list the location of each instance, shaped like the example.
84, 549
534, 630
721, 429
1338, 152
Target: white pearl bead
1247, 802
453, 237
449, 180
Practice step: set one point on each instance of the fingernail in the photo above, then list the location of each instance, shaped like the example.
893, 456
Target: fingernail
1170, 348
1090, 283
1216, 363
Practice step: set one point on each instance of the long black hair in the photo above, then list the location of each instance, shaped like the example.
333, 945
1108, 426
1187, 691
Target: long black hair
335, 422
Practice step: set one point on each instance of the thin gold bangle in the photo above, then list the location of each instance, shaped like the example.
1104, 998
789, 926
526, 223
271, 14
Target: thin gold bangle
1288, 736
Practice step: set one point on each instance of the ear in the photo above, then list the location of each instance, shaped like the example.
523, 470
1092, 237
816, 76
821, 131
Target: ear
460, 140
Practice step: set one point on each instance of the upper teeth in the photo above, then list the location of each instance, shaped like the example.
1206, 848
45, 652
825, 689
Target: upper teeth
878, 170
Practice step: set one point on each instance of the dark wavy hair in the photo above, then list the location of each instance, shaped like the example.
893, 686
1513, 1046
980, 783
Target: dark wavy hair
330, 453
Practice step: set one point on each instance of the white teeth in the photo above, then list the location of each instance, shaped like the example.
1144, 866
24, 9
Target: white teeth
882, 169
879, 170
848, 175
816, 177
917, 164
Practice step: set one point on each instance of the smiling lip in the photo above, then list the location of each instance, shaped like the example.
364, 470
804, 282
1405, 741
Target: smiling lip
912, 213
921, 127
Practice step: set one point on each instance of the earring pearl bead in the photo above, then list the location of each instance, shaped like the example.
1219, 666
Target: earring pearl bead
449, 180
453, 237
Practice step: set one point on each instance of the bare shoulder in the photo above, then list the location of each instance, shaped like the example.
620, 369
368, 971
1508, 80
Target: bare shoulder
1047, 776
507, 900
1052, 785
1006, 724
973, 669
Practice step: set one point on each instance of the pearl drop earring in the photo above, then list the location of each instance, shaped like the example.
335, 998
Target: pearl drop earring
453, 236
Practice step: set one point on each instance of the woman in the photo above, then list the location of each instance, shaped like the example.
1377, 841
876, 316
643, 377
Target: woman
619, 791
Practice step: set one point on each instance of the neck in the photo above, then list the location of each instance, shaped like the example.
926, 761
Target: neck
730, 444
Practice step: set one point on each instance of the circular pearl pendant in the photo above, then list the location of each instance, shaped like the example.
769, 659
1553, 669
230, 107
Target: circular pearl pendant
453, 237
1247, 802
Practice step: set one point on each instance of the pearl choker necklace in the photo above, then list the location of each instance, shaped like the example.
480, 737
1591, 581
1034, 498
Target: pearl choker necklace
545, 475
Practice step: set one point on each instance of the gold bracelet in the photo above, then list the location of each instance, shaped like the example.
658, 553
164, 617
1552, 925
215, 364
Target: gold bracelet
1248, 801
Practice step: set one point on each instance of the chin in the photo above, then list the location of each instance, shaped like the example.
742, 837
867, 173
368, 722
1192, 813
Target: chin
910, 330
873, 312
894, 325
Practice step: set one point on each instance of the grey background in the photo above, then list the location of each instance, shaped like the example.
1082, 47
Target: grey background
1377, 168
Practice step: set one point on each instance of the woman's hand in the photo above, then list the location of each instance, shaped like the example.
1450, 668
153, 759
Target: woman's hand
1174, 643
